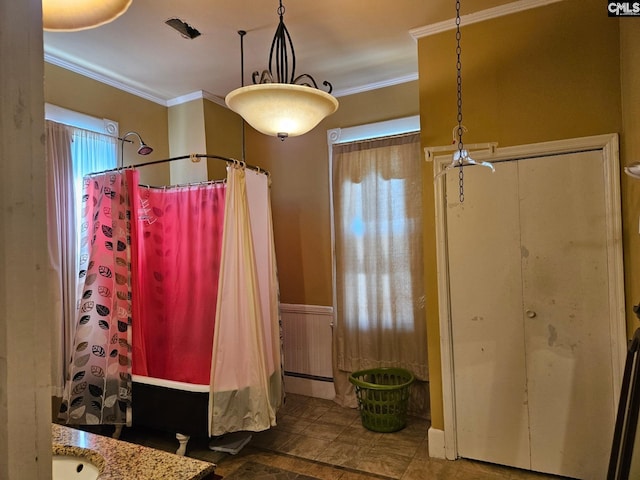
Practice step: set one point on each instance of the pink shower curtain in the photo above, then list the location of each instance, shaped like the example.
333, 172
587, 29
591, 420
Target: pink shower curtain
179, 232
98, 387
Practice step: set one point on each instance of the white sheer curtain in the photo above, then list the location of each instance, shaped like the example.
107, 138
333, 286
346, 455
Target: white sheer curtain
380, 317
71, 153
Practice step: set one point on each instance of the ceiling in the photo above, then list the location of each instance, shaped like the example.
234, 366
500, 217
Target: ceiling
356, 45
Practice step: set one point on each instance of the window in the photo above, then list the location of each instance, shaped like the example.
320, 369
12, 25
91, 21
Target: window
378, 254
72, 152
377, 231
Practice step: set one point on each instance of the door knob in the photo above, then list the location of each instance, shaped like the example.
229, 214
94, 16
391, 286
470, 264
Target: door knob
531, 314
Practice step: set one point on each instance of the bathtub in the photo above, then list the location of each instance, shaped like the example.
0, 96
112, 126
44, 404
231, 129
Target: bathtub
170, 406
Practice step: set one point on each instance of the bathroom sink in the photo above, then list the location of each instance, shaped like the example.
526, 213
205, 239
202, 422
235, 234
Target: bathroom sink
71, 467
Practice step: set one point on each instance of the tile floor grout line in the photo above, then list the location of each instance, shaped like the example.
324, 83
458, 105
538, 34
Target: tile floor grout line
325, 464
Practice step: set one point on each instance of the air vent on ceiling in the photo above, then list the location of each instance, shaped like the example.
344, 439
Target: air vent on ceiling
186, 30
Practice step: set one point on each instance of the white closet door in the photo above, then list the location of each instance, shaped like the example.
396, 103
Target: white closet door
486, 307
529, 307
565, 291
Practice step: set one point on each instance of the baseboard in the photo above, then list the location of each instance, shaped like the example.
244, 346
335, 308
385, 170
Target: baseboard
436, 443
309, 388
302, 308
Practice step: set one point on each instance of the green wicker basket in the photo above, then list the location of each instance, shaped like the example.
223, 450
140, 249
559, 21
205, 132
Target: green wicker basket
383, 395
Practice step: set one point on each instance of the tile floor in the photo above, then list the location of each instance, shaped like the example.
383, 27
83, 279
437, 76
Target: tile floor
317, 439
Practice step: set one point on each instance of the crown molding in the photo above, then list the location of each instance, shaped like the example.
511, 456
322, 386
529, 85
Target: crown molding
189, 97
477, 17
52, 59
197, 95
49, 58
374, 86
214, 98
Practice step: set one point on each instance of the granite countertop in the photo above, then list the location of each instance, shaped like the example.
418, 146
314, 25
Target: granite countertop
119, 460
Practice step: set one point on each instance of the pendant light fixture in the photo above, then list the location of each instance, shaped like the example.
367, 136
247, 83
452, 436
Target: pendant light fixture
73, 15
280, 103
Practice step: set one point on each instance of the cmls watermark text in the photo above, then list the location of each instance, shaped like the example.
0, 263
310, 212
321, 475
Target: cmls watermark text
623, 9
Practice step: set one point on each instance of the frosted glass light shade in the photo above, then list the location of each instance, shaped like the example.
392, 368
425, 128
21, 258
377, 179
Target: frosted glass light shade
73, 15
281, 109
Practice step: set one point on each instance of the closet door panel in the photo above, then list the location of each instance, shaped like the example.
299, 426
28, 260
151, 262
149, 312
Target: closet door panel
483, 240
566, 306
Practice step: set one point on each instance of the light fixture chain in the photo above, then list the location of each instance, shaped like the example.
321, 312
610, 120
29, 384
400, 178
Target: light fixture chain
459, 84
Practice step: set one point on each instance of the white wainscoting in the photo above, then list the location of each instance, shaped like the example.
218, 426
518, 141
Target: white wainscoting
307, 339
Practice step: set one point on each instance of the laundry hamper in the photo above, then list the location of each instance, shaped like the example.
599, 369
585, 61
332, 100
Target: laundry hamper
383, 396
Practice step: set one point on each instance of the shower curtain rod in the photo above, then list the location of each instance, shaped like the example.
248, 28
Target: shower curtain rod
191, 156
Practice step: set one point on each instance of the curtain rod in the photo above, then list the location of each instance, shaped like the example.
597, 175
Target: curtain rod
191, 156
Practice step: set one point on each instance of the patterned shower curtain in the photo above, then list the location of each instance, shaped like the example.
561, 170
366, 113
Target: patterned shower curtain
98, 388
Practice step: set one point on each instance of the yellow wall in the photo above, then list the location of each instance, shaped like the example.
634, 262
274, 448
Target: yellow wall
202, 126
186, 128
223, 131
545, 74
187, 136
81, 94
299, 168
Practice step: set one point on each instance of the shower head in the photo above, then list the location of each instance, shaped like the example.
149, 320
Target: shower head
144, 149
